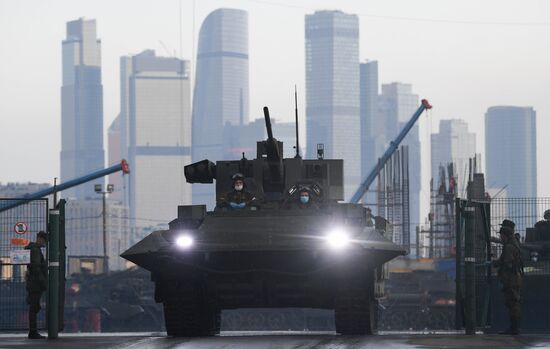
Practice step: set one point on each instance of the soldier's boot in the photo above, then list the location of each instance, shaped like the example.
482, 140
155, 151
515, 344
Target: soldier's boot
513, 329
33, 332
514, 326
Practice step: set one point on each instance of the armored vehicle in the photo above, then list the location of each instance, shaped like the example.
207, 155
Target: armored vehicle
270, 251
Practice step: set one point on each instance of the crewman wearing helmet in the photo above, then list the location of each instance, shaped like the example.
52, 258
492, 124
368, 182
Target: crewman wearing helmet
545, 222
238, 198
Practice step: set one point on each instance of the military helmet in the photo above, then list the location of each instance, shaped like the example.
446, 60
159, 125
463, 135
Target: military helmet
42, 234
506, 230
546, 213
508, 223
237, 176
305, 189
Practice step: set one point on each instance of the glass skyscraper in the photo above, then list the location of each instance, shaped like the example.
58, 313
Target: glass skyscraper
221, 87
332, 91
511, 150
81, 107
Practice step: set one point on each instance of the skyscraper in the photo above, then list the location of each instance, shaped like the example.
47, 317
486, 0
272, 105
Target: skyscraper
511, 150
332, 90
453, 144
81, 106
397, 103
373, 141
221, 87
155, 135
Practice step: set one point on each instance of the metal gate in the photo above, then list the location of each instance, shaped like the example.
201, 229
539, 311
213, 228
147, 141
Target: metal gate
18, 226
478, 223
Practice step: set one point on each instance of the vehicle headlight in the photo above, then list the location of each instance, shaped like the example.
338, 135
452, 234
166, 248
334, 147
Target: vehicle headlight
184, 241
337, 239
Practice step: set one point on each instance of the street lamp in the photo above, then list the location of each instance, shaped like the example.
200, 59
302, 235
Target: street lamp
98, 188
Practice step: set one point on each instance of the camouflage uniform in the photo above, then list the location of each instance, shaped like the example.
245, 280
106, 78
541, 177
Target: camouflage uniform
510, 271
237, 197
36, 281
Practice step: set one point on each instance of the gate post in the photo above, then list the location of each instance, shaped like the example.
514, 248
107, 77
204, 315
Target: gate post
469, 269
459, 305
53, 276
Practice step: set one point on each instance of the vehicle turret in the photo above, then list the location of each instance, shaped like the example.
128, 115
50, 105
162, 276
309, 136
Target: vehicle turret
271, 178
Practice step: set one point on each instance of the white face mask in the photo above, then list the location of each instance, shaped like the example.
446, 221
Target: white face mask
239, 187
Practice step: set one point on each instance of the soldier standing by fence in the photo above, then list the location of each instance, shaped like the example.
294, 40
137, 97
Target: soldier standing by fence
36, 281
510, 272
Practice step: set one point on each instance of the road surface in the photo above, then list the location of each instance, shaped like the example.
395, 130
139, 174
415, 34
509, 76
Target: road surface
274, 340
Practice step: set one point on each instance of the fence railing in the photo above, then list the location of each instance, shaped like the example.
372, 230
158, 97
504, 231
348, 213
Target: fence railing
18, 226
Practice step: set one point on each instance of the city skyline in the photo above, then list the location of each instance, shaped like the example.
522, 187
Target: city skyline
384, 63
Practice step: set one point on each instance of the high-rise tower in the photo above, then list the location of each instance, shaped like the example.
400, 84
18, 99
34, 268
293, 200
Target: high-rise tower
221, 87
511, 150
81, 106
332, 90
155, 121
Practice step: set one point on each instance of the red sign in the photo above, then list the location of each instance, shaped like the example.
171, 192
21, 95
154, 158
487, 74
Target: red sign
19, 242
21, 228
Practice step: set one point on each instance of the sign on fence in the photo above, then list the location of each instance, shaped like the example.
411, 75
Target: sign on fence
20, 256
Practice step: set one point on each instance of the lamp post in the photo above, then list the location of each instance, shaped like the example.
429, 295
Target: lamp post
98, 188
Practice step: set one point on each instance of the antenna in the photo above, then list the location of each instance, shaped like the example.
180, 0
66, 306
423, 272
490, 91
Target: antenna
296, 113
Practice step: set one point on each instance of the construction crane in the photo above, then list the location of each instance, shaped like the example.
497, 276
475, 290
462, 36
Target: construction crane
122, 166
389, 152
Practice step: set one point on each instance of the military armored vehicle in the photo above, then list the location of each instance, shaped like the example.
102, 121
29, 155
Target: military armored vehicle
272, 253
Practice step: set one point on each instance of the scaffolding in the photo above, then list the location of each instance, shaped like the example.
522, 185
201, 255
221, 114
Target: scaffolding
441, 231
392, 196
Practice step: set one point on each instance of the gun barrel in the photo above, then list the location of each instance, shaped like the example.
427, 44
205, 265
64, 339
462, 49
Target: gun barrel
268, 123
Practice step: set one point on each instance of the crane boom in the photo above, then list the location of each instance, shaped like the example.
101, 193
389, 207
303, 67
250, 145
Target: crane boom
122, 166
389, 152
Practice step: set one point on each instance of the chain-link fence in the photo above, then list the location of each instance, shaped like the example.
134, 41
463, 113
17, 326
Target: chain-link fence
478, 242
18, 226
525, 213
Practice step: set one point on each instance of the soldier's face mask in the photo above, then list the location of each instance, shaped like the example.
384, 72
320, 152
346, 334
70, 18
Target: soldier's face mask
239, 185
304, 199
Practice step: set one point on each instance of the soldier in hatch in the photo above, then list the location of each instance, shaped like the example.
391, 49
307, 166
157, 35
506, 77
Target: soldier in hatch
545, 222
305, 199
238, 198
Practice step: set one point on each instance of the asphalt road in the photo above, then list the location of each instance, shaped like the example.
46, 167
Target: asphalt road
272, 340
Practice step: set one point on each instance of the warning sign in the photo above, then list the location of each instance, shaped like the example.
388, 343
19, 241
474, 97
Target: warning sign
21, 228
19, 242
20, 256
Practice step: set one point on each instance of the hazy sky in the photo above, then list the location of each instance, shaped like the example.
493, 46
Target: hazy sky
463, 56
